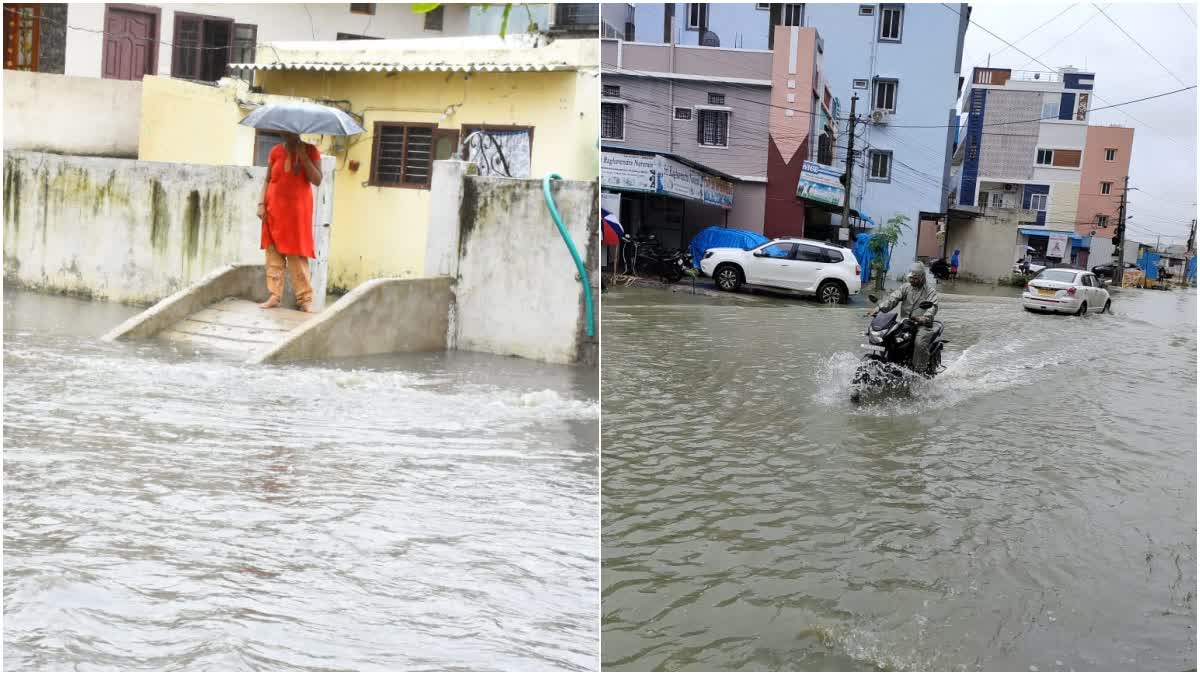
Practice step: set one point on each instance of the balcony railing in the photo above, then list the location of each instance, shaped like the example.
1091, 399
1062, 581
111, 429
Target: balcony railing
1035, 76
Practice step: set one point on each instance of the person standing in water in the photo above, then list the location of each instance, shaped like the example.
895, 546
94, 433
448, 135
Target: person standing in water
286, 211
954, 265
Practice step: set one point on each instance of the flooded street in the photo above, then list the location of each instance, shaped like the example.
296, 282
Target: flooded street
165, 511
1033, 508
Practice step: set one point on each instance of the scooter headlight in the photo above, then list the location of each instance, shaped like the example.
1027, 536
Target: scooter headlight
875, 338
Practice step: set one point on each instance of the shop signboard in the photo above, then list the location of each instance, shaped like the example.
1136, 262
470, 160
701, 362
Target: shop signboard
821, 183
1056, 247
678, 180
718, 192
627, 171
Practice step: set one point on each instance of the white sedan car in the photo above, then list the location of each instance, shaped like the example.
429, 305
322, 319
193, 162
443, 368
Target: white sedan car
829, 272
1066, 291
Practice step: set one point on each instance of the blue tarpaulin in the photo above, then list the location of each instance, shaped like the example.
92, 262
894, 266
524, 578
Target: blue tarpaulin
862, 252
1191, 269
1149, 263
723, 237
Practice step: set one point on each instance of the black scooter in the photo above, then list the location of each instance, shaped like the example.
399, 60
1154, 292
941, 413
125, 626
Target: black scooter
940, 269
891, 341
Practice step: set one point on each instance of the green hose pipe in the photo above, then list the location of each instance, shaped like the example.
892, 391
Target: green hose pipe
583, 275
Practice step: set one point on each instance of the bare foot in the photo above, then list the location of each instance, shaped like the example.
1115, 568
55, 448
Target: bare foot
270, 303
306, 308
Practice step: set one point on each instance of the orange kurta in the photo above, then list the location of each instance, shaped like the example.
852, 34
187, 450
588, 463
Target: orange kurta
289, 205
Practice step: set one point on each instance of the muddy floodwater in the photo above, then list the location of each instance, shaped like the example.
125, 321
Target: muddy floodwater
1033, 508
168, 511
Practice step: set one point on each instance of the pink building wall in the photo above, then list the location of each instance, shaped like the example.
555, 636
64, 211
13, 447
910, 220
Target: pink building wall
1096, 170
790, 122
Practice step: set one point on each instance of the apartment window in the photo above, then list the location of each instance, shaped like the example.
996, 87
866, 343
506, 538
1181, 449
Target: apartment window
1050, 110
1101, 221
825, 149
1045, 157
22, 36
1105, 188
433, 18
716, 99
762, 6
881, 165
363, 8
713, 128
683, 114
203, 45
245, 38
793, 14
891, 22
264, 142
697, 16
403, 155
1037, 202
866, 10
610, 91
612, 121
1110, 154
576, 14
860, 84
885, 95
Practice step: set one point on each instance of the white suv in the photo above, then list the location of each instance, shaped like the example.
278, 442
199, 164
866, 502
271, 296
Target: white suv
829, 272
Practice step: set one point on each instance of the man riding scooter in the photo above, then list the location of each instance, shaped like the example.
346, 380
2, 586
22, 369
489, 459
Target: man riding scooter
909, 297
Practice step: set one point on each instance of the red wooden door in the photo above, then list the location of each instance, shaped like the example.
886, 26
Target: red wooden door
130, 41
22, 28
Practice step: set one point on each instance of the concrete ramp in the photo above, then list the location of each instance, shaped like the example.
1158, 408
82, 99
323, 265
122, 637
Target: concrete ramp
221, 313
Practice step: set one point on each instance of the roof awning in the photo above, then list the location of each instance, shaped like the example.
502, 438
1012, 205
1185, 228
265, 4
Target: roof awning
1046, 233
393, 67
824, 206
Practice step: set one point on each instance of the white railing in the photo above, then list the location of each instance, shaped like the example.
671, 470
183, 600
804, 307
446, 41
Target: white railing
1034, 76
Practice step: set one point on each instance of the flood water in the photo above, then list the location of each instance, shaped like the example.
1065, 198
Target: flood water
166, 511
1033, 508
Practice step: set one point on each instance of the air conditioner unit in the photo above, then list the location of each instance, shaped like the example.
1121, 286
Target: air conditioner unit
1008, 187
880, 116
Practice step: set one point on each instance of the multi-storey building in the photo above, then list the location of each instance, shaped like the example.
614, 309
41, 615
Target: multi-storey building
699, 136
902, 61
1031, 165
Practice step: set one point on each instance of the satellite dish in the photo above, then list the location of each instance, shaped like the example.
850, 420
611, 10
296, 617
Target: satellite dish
709, 39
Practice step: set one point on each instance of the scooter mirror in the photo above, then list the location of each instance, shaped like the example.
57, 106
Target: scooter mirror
925, 305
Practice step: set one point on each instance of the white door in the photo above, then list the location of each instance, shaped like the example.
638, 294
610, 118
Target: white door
810, 266
318, 268
772, 265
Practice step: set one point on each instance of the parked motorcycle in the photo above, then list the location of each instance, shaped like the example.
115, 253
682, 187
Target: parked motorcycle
889, 361
940, 269
645, 255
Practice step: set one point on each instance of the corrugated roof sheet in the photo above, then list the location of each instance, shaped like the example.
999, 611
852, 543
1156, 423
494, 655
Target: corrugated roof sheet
402, 67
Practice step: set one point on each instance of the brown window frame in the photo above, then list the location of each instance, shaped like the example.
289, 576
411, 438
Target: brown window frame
253, 46
200, 50
368, 8
373, 179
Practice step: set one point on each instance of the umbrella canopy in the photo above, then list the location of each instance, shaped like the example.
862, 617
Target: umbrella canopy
303, 118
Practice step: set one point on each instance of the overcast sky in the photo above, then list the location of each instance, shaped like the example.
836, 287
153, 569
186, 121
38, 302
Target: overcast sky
1164, 140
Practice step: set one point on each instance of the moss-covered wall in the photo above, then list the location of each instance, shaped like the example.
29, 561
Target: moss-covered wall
124, 230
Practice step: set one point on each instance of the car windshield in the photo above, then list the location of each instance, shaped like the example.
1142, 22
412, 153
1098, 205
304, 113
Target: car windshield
1065, 276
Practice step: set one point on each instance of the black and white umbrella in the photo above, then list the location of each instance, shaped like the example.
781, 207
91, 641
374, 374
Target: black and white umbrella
303, 118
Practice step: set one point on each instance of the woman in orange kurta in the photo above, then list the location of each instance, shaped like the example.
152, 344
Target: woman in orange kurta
286, 211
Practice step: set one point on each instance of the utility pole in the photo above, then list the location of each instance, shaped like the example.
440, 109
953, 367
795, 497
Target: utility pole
849, 181
1119, 239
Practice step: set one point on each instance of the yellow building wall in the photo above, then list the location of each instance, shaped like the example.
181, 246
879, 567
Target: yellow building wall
1064, 201
193, 124
381, 231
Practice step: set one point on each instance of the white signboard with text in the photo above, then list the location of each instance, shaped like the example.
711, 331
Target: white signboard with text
628, 171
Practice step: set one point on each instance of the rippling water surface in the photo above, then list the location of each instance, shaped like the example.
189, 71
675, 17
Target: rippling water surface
1032, 508
167, 511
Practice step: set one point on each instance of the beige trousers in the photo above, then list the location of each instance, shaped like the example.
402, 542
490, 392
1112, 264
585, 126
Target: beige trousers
298, 266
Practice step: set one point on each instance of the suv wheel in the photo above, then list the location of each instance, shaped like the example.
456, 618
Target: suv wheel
728, 277
832, 293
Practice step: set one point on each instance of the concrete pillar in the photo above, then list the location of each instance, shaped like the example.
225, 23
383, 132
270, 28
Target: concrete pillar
445, 204
322, 218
